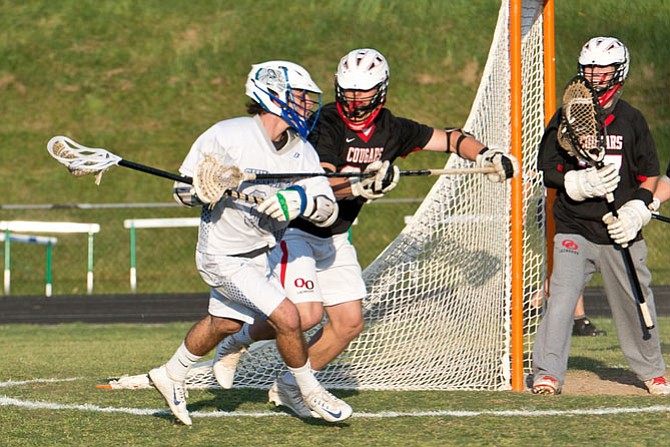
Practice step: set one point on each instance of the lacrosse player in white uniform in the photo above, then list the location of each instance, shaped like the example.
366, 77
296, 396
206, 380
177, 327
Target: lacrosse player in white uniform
235, 237
318, 266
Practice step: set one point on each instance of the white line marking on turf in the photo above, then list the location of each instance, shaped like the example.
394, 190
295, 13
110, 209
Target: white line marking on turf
8, 401
25, 382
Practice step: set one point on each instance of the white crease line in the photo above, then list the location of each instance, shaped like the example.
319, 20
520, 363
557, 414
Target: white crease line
8, 401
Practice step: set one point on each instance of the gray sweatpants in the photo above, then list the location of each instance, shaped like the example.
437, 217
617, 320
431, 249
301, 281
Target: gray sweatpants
575, 261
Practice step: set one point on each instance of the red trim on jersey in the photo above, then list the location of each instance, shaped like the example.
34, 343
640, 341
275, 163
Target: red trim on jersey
641, 178
284, 263
416, 149
559, 168
609, 119
370, 131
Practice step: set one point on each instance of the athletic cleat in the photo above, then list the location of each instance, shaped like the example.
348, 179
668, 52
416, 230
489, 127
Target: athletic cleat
225, 362
584, 328
173, 392
288, 395
658, 386
329, 407
546, 385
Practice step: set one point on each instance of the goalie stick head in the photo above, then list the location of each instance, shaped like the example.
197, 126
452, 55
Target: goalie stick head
581, 131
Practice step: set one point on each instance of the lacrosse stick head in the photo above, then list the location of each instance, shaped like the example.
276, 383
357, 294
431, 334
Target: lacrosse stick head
212, 179
581, 131
79, 159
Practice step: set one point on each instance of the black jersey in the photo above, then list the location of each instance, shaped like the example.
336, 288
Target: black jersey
630, 147
388, 138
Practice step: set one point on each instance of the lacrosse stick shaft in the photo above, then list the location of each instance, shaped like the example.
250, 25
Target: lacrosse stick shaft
180, 178
153, 171
418, 172
661, 218
647, 322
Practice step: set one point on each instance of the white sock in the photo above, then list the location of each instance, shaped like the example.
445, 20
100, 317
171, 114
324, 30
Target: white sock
182, 360
305, 379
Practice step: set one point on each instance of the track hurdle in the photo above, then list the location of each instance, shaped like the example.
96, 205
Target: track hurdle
23, 226
133, 224
8, 237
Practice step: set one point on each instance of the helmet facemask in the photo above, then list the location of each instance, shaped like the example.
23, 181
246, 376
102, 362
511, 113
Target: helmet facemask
359, 108
361, 84
286, 90
605, 52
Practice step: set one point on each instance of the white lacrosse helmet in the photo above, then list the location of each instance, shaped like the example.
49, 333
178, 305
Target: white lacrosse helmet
271, 85
362, 69
603, 52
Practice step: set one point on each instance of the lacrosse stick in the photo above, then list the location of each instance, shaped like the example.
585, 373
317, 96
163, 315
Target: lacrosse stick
657, 216
583, 135
212, 180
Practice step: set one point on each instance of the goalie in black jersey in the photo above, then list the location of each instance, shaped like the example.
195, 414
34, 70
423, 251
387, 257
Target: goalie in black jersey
589, 238
318, 265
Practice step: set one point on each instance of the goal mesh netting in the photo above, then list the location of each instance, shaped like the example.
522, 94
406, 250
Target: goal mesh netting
438, 311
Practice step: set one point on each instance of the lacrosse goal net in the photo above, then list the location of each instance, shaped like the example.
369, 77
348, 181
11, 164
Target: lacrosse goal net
438, 311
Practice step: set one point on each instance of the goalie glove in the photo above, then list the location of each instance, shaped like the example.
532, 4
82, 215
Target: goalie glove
382, 177
287, 204
324, 212
633, 215
589, 183
506, 165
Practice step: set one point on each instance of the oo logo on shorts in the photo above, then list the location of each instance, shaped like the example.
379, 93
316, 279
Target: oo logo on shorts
570, 244
301, 283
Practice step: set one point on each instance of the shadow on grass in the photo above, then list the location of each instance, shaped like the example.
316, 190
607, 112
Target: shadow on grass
606, 373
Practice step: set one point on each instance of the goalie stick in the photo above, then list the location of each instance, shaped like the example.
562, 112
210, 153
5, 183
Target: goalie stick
582, 133
657, 216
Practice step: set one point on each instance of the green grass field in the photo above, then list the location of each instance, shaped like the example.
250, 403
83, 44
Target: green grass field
144, 79
72, 411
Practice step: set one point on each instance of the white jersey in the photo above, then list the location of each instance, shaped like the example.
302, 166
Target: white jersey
234, 226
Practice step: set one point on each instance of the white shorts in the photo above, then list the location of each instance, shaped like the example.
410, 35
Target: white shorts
314, 269
242, 288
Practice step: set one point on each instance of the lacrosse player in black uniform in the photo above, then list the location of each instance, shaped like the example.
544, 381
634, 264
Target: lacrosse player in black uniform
588, 238
318, 266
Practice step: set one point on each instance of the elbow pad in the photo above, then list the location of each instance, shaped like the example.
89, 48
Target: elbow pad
184, 194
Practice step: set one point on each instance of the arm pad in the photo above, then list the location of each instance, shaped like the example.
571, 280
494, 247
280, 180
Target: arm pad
184, 194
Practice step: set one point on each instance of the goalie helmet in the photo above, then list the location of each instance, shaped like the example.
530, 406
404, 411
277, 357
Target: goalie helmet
605, 52
272, 84
361, 70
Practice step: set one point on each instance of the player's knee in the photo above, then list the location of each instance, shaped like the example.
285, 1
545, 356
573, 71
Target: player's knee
224, 326
311, 314
349, 329
285, 318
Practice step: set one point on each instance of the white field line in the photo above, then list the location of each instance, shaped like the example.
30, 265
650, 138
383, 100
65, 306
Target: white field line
37, 405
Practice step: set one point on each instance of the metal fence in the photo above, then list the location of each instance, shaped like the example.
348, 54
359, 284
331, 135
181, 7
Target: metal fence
145, 257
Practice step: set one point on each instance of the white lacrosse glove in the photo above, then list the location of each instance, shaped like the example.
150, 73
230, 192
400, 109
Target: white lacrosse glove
506, 165
287, 204
655, 205
382, 178
324, 213
633, 215
589, 183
